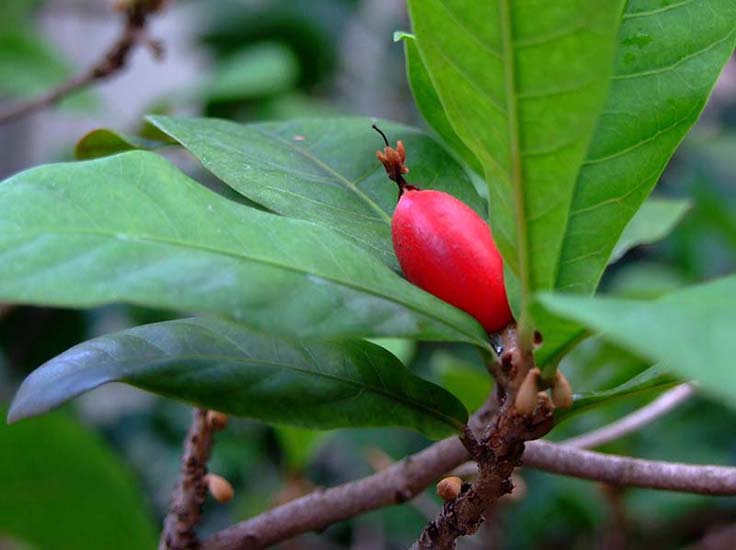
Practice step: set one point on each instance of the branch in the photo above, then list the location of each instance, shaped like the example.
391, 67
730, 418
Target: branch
396, 484
423, 503
616, 430
634, 421
404, 479
634, 472
136, 13
524, 414
191, 490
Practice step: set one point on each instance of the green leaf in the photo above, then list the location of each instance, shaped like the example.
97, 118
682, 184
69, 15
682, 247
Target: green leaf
428, 102
254, 72
64, 489
690, 331
653, 221
522, 83
402, 348
221, 365
467, 382
321, 170
103, 142
132, 228
655, 378
668, 59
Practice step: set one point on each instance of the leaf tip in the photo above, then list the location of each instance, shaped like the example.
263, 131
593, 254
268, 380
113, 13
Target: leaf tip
402, 35
15, 413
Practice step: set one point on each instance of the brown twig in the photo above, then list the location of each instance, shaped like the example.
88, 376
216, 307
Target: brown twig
135, 14
634, 421
498, 452
405, 479
408, 477
618, 429
379, 461
191, 489
620, 470
393, 485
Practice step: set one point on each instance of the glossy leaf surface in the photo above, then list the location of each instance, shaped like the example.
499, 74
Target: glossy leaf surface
668, 58
521, 84
132, 228
223, 366
321, 170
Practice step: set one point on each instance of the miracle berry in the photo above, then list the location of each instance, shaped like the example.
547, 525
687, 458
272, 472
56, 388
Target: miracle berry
445, 247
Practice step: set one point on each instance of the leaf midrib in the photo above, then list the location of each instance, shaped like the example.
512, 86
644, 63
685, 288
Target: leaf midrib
271, 263
329, 169
448, 420
347, 183
507, 48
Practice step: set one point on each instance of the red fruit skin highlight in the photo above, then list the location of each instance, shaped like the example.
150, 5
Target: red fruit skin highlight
447, 249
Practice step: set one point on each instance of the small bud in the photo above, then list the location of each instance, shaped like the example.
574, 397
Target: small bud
449, 488
526, 397
216, 420
219, 488
561, 391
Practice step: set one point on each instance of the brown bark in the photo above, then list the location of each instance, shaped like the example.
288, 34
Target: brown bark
191, 489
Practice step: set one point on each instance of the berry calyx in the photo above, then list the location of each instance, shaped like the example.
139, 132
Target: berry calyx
445, 247
394, 162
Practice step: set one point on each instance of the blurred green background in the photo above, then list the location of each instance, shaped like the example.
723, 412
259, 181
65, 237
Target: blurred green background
99, 473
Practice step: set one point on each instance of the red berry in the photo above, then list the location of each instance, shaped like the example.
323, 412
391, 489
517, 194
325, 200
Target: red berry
447, 249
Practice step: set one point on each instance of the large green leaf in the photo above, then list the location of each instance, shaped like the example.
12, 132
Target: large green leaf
133, 228
668, 59
521, 83
322, 170
690, 330
429, 104
64, 489
221, 365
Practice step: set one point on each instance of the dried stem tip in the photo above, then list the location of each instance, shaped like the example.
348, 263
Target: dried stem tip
561, 391
219, 488
526, 397
394, 162
449, 488
217, 420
